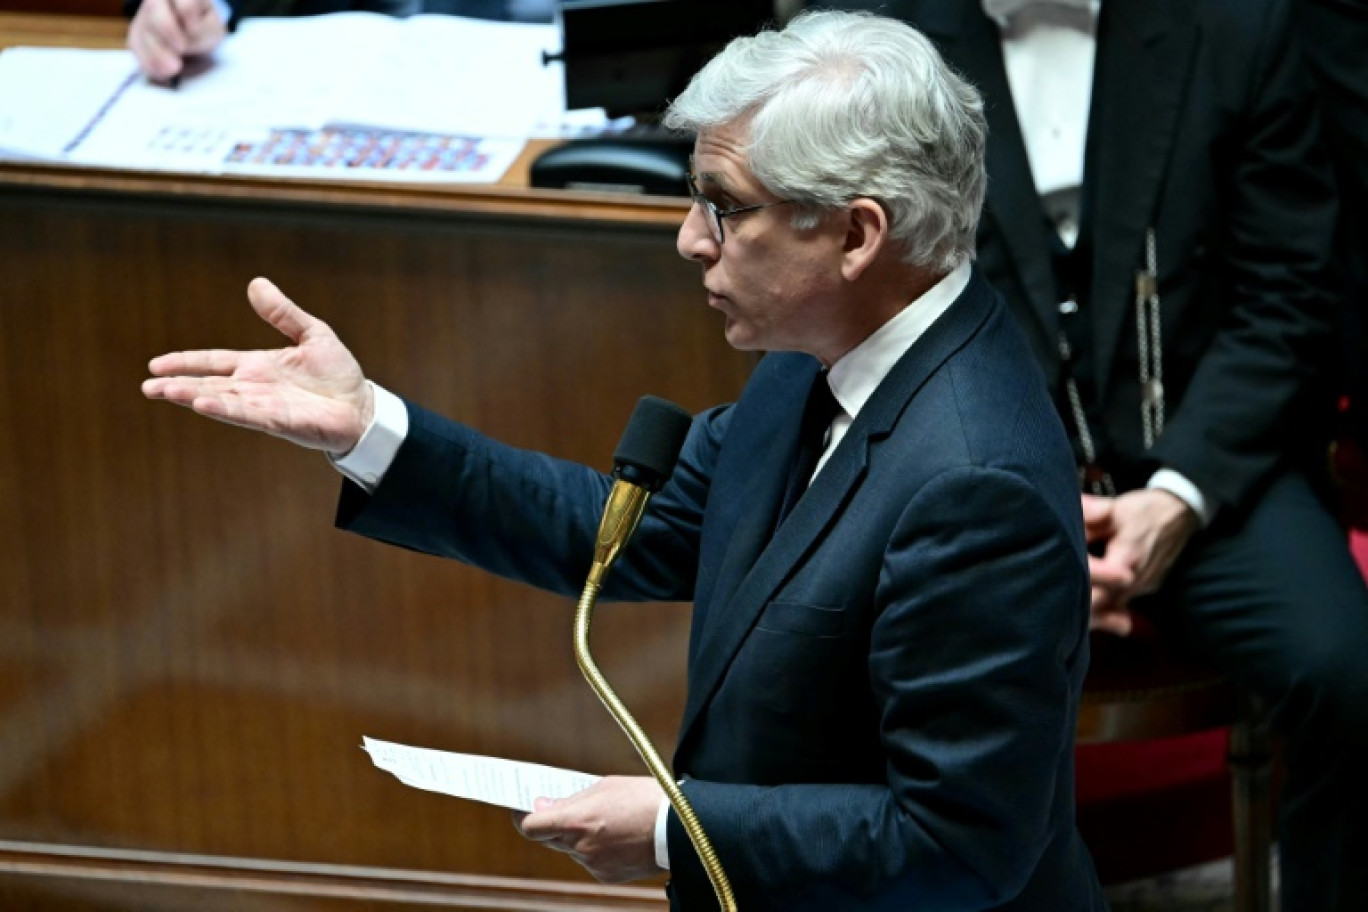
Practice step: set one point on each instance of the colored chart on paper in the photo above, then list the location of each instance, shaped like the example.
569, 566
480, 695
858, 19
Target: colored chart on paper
370, 150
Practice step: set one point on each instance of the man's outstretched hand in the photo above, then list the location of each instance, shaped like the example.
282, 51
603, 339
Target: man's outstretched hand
311, 392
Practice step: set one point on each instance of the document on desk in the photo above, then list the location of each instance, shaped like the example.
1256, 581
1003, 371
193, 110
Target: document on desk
430, 98
49, 95
492, 780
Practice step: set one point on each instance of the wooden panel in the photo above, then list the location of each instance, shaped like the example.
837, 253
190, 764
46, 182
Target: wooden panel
35, 30
191, 654
82, 7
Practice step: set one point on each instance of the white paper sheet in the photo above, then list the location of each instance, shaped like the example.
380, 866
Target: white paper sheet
48, 96
492, 780
351, 95
448, 74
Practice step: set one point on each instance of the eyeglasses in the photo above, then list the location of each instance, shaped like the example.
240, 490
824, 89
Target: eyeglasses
714, 216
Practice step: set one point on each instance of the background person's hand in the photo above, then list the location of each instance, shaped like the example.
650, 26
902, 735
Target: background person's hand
1143, 533
312, 392
165, 32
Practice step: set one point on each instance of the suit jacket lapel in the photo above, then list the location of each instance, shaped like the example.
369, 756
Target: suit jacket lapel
732, 614
969, 40
770, 448
1145, 52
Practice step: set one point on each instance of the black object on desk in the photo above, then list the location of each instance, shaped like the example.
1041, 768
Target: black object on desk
619, 164
630, 57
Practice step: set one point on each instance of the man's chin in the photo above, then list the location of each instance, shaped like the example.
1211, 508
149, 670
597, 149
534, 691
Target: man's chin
739, 336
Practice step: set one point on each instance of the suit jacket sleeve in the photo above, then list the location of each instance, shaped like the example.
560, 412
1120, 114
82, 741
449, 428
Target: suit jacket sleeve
979, 587
453, 492
1252, 385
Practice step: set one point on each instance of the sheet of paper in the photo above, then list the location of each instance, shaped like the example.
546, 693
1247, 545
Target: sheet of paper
50, 96
451, 74
430, 98
506, 783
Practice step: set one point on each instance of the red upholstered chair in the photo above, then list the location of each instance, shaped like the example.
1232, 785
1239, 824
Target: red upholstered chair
1140, 690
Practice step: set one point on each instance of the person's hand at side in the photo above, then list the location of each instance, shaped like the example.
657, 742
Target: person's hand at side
1142, 532
165, 32
311, 392
609, 828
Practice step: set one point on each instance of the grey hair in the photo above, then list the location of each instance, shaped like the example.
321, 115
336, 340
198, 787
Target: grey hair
841, 105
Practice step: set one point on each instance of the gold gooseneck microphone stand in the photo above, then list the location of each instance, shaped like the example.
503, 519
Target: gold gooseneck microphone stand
622, 513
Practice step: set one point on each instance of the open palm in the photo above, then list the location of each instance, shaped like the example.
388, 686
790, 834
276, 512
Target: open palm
311, 392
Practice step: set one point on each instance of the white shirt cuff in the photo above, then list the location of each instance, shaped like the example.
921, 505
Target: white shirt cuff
373, 454
662, 844
1179, 486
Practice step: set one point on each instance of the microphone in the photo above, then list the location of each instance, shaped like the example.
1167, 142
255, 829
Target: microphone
643, 461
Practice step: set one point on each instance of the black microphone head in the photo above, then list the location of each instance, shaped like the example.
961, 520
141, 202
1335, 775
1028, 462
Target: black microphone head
650, 445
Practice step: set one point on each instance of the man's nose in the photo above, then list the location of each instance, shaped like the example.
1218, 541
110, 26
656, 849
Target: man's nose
695, 241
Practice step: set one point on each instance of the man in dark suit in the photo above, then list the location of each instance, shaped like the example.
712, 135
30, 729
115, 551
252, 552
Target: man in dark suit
1174, 288
883, 676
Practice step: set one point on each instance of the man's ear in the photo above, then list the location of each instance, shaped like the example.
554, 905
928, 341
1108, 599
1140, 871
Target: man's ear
866, 237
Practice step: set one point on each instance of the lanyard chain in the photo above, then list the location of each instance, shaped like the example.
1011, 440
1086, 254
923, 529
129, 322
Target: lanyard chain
1151, 350
1092, 477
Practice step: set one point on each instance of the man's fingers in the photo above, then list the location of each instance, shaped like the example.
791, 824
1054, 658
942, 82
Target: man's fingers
1097, 516
214, 362
203, 27
1111, 592
1109, 575
165, 32
190, 14
225, 400
1096, 508
272, 306
543, 822
188, 391
1113, 620
164, 25
155, 58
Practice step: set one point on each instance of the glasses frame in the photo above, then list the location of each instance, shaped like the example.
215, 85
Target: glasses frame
713, 215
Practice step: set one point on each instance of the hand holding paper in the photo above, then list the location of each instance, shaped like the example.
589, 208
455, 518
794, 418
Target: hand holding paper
609, 828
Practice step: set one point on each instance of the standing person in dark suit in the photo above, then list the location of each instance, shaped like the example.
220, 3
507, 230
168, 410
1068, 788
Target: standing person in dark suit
883, 680
1160, 216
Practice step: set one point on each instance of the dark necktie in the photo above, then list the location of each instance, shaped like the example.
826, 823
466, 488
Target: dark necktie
821, 409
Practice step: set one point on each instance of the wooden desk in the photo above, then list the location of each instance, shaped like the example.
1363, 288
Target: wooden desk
191, 654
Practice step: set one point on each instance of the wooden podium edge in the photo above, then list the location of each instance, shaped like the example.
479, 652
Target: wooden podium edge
482, 200
344, 882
